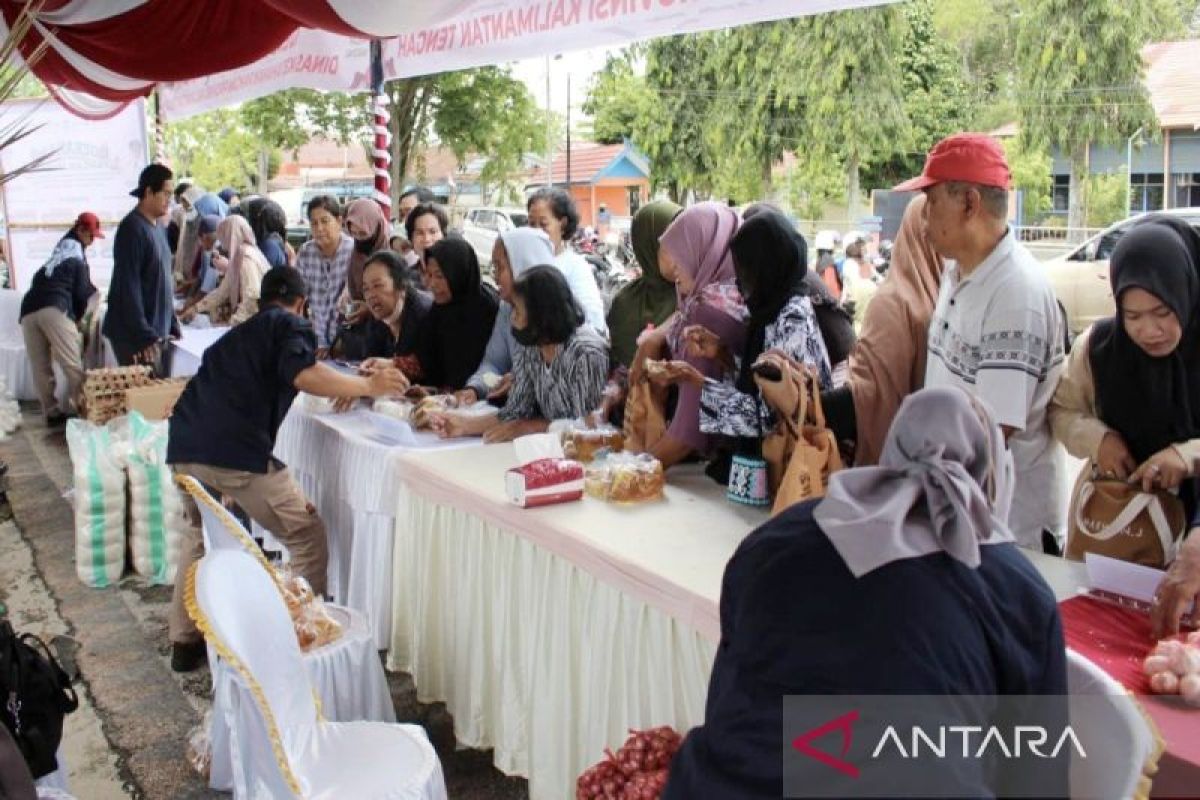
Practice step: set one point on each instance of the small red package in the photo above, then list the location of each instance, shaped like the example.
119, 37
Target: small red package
545, 482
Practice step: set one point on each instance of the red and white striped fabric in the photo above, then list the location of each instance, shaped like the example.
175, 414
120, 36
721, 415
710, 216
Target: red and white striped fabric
113, 51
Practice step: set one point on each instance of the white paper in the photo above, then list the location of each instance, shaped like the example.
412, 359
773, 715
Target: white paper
1112, 575
536, 447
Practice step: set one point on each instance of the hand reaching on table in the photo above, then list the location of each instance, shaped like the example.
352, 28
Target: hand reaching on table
387, 382
1113, 458
343, 404
515, 429
1179, 587
1165, 469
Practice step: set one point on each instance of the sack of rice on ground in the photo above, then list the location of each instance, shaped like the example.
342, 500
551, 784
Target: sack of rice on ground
156, 512
99, 502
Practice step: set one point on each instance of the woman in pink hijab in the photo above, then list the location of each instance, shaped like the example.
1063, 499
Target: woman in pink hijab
708, 327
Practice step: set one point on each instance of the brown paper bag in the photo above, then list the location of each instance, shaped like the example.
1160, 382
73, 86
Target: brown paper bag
1111, 518
645, 416
802, 452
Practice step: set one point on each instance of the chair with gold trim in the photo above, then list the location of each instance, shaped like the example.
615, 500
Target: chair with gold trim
282, 747
346, 673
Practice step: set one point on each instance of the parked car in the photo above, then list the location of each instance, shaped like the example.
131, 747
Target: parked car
481, 226
1080, 277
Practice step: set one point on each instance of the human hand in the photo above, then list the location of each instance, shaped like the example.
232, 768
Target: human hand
507, 431
385, 382
1179, 587
149, 355
466, 397
220, 263
373, 365
1164, 470
670, 372
322, 353
651, 347
358, 313
188, 314
450, 425
783, 395
501, 389
343, 404
701, 342
1113, 458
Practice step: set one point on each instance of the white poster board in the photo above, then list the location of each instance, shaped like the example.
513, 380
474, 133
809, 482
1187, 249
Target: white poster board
96, 165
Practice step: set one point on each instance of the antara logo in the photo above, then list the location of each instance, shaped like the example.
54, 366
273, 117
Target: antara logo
1024, 741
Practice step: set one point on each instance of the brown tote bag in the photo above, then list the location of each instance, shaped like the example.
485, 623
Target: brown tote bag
1111, 518
802, 452
645, 417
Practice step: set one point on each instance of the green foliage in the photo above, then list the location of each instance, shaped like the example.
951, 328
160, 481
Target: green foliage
1107, 198
814, 182
1031, 174
1080, 69
619, 100
215, 149
288, 119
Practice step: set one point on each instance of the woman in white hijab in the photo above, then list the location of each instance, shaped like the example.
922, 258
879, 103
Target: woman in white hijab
514, 253
903, 580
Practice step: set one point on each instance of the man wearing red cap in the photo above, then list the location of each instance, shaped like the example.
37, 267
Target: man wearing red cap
57, 299
996, 331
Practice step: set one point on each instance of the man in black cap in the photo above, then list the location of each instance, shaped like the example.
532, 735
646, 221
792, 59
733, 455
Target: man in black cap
141, 295
222, 432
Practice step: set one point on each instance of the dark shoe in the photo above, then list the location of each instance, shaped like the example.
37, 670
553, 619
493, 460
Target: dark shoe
188, 657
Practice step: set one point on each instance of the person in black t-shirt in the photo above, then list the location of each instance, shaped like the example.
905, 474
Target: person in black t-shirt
57, 300
222, 432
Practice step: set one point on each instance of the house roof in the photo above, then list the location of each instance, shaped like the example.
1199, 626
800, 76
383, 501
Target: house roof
591, 161
1171, 79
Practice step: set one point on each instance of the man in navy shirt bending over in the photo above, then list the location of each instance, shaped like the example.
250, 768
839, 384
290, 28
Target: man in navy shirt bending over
223, 433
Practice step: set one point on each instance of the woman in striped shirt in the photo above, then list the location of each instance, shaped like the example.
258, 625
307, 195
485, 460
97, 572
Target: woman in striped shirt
559, 369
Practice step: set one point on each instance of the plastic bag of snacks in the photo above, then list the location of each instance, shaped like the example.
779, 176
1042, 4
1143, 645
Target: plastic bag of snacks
199, 747
315, 626
584, 444
97, 461
638, 771
156, 511
1174, 668
625, 478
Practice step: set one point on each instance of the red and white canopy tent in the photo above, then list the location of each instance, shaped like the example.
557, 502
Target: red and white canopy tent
104, 54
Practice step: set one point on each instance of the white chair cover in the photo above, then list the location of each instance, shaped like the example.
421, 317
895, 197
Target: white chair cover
281, 748
1115, 762
346, 674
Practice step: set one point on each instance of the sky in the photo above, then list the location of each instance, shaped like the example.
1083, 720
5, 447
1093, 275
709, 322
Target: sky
580, 65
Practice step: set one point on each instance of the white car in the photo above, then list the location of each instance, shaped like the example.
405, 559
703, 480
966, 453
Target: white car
481, 226
1080, 278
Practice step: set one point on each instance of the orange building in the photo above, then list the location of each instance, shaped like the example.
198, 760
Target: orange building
616, 176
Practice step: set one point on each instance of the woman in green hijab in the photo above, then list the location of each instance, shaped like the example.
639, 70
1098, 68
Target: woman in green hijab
650, 299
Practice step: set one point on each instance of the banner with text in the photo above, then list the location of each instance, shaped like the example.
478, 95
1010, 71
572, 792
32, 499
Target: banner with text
482, 32
95, 166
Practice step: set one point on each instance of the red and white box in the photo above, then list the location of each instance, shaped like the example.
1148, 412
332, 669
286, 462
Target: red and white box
545, 482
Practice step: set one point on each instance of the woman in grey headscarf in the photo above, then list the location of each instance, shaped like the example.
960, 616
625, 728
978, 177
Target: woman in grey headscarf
903, 580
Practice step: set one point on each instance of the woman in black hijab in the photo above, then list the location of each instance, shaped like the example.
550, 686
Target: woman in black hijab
770, 260
1130, 399
457, 329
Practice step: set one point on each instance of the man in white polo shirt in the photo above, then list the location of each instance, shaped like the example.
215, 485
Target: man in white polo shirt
997, 331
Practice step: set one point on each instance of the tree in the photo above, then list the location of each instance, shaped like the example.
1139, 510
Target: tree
214, 149
1081, 70
288, 119
758, 115
619, 100
1031, 176
850, 73
679, 71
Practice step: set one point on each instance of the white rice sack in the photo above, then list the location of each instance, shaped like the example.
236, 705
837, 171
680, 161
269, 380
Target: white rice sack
99, 503
156, 511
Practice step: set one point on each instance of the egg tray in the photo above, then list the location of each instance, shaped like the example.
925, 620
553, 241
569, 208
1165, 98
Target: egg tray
104, 391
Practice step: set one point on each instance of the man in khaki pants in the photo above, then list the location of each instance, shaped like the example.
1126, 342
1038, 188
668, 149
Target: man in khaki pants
222, 432
57, 299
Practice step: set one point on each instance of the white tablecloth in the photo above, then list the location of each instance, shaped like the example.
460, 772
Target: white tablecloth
345, 674
349, 467
551, 632
187, 352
